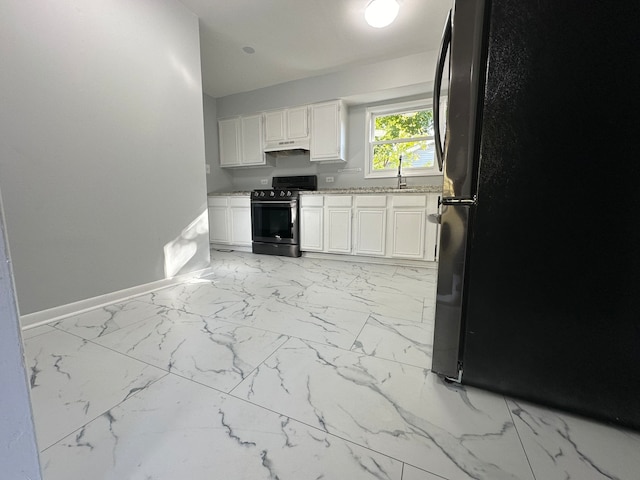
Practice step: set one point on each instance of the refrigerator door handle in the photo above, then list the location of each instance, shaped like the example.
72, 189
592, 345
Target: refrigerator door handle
444, 47
461, 201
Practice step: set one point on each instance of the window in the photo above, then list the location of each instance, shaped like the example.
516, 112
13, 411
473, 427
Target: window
402, 130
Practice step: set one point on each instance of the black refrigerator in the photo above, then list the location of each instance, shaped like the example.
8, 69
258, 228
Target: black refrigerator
538, 292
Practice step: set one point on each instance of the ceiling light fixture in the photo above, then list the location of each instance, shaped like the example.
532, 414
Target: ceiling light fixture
248, 50
380, 13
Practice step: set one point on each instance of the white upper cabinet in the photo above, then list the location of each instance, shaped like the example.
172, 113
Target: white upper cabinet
229, 141
328, 132
241, 141
285, 127
297, 123
320, 128
274, 126
251, 147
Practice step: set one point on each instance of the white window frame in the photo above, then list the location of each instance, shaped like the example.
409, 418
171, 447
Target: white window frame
388, 109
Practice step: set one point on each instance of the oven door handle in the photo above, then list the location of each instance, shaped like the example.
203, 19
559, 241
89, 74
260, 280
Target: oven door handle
274, 202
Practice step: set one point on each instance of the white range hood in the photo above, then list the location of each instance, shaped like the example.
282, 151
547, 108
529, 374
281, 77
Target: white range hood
288, 145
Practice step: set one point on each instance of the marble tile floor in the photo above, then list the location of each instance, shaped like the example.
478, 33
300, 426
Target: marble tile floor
282, 368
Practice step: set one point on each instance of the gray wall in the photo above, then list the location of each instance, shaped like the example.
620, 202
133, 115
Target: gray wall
400, 79
101, 146
18, 446
393, 78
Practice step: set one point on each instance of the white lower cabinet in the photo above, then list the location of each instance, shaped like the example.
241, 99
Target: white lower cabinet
338, 229
230, 220
389, 225
240, 220
325, 223
311, 223
371, 225
219, 219
408, 217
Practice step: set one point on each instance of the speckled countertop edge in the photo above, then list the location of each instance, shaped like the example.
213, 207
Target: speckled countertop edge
362, 190
347, 191
228, 194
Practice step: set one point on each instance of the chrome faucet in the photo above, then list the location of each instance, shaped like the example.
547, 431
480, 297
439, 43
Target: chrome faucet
401, 183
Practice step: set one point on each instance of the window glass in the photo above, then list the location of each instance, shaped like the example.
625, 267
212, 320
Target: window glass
401, 132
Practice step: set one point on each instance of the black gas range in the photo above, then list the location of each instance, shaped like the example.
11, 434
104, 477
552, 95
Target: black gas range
275, 228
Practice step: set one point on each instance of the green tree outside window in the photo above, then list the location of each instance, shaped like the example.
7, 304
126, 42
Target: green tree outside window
406, 134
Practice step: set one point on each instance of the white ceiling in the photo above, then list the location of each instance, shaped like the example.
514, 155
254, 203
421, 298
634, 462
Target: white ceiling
296, 39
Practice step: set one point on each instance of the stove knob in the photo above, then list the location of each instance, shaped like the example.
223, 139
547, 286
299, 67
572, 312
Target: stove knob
262, 194
272, 194
255, 194
282, 193
288, 193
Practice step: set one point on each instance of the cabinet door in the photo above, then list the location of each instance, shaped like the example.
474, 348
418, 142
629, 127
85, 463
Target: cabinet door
274, 125
328, 132
229, 142
240, 221
325, 131
219, 224
311, 228
370, 231
298, 122
408, 233
251, 140
339, 230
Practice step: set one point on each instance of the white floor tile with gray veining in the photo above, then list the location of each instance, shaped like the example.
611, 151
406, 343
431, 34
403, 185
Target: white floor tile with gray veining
288, 368
562, 446
73, 381
396, 339
401, 410
208, 351
178, 429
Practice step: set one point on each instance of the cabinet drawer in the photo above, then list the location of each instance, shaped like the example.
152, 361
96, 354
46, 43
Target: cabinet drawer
311, 200
217, 201
240, 202
338, 201
409, 201
371, 201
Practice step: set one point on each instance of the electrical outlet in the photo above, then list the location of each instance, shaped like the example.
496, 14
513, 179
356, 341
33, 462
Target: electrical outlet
329, 179
264, 181
208, 167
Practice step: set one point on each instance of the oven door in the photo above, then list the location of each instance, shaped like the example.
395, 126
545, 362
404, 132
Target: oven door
275, 221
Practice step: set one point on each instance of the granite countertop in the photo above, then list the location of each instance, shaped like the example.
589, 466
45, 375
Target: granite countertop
229, 194
364, 190
348, 191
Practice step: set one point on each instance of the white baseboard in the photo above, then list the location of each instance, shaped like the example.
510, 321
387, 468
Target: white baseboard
35, 319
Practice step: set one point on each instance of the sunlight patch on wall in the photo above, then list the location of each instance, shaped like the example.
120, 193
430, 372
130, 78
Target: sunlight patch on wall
183, 71
183, 248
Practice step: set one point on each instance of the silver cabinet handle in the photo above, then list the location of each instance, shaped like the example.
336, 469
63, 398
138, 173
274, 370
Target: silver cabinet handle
434, 218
